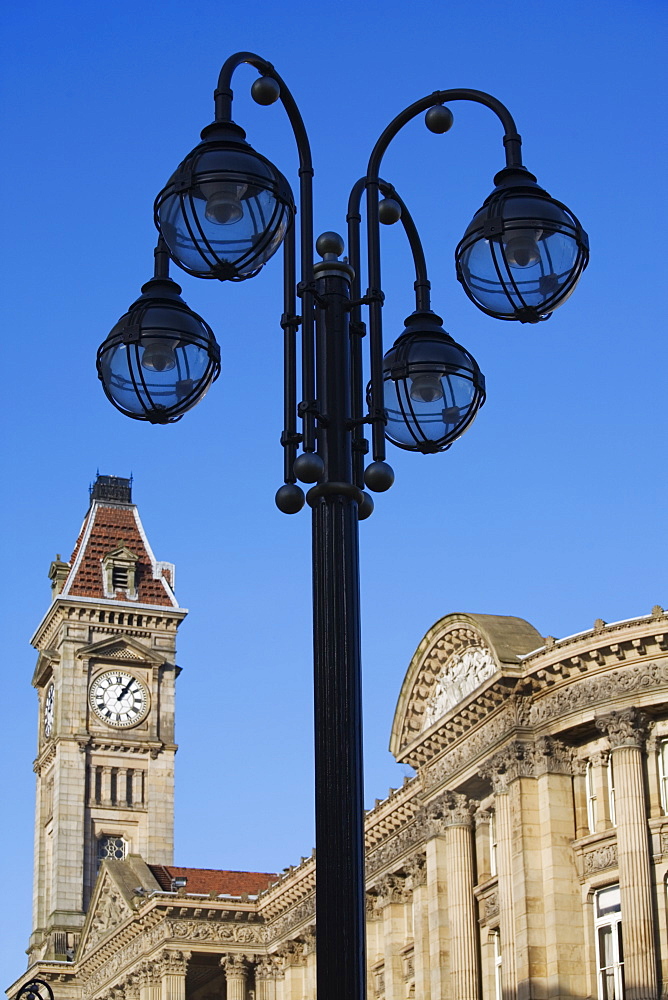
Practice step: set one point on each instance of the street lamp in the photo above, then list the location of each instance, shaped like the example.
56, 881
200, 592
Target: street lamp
223, 213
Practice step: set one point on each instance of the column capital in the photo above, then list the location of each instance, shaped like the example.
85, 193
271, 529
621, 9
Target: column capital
515, 760
265, 967
551, 756
173, 962
235, 966
626, 728
448, 809
391, 889
483, 815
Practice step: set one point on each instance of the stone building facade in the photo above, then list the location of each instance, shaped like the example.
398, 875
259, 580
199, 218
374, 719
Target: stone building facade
527, 858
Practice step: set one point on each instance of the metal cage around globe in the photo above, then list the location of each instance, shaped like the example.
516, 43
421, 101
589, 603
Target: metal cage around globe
226, 209
433, 387
523, 252
160, 358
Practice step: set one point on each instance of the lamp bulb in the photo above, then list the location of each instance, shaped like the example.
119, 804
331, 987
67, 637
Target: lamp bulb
426, 388
522, 247
159, 355
223, 205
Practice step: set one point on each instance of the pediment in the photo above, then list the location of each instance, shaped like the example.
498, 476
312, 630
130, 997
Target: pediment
122, 554
109, 909
120, 647
460, 655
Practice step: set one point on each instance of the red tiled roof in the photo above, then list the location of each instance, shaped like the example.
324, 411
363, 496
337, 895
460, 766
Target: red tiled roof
213, 880
111, 528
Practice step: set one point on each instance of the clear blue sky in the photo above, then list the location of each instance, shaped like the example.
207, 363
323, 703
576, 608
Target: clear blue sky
551, 508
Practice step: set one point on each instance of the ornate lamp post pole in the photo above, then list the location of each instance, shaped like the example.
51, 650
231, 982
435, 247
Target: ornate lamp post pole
223, 213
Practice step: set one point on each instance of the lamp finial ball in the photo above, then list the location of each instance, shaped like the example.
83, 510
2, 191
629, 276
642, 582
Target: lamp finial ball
265, 90
439, 119
329, 243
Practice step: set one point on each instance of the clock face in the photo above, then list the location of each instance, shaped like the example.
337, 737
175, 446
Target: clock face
118, 698
48, 710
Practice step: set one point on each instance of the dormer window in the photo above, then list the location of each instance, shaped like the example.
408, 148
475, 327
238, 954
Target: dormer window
119, 574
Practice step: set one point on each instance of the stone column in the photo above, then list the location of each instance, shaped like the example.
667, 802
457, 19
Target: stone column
105, 789
654, 776
149, 982
416, 868
561, 897
137, 787
496, 770
627, 731
464, 966
392, 897
121, 786
265, 978
173, 966
438, 878
236, 975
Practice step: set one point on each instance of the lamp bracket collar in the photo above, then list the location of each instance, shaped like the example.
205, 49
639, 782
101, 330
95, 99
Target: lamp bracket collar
227, 131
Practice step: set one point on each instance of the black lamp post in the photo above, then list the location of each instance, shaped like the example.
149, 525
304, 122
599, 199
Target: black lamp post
223, 213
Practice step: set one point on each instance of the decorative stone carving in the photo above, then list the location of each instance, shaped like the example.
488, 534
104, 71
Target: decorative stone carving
293, 918
109, 913
448, 809
516, 760
600, 858
391, 889
552, 756
590, 691
412, 835
627, 728
292, 953
463, 672
265, 967
490, 904
173, 962
206, 930
235, 966
474, 746
416, 870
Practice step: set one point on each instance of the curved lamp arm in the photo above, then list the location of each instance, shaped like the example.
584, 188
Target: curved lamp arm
422, 303
223, 103
513, 147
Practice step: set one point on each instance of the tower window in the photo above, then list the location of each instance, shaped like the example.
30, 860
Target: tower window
119, 572
112, 849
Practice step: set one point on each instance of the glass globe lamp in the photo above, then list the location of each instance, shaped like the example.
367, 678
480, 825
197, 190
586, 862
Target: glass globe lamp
523, 253
226, 209
160, 358
433, 388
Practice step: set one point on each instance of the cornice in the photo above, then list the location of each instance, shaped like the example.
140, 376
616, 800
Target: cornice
61, 605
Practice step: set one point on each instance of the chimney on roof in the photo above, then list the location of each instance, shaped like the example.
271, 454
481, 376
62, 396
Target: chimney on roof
112, 489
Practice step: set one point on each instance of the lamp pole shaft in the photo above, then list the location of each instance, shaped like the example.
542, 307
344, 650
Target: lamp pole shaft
339, 801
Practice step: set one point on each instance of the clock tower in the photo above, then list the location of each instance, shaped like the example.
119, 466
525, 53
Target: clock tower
105, 680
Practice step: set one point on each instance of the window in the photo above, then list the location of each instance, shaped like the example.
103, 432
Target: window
663, 773
591, 797
119, 573
609, 948
492, 844
498, 965
611, 792
111, 848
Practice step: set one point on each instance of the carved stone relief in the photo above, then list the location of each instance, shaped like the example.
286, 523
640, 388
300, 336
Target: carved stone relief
627, 728
462, 673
